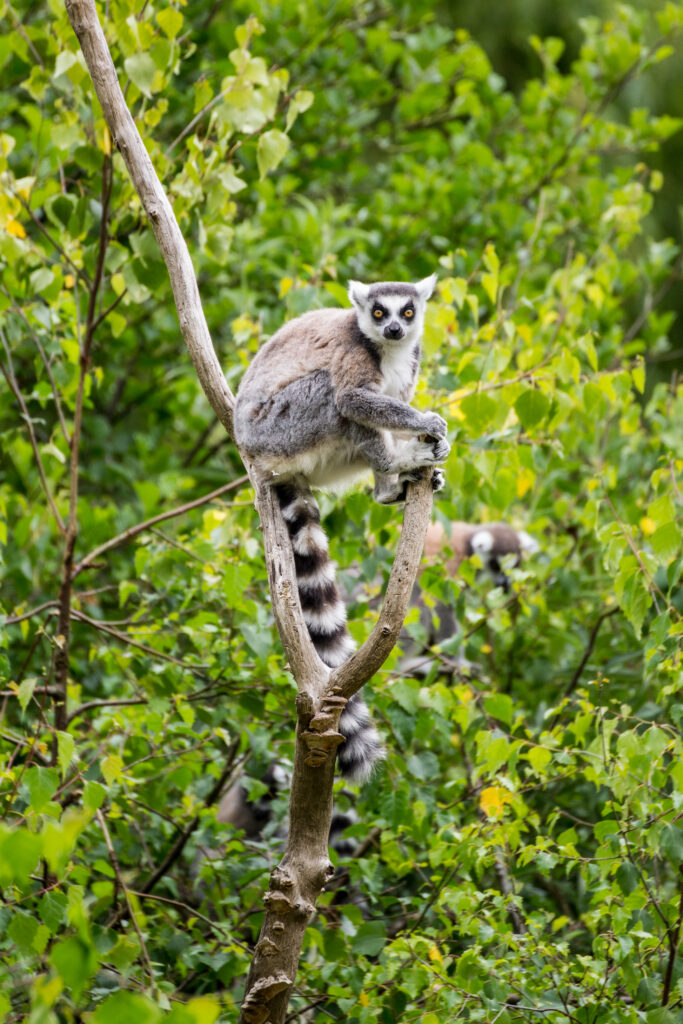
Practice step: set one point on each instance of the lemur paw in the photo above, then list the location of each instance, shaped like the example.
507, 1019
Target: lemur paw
411, 476
438, 480
440, 450
435, 425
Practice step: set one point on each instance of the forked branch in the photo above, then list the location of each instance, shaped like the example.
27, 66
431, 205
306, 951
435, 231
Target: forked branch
297, 882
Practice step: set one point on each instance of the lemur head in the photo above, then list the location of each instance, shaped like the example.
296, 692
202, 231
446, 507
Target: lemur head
391, 312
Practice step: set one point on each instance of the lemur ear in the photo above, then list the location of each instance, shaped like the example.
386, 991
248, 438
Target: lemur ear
426, 286
358, 294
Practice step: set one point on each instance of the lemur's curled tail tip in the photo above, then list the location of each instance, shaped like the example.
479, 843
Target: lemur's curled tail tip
325, 616
358, 756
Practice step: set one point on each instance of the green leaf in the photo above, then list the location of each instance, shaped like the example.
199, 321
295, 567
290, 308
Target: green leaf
22, 931
370, 939
662, 510
52, 909
532, 406
671, 843
66, 745
94, 795
666, 541
539, 758
627, 877
75, 961
661, 1016
111, 768
141, 70
300, 102
25, 691
478, 410
272, 147
20, 851
499, 706
128, 1007
42, 785
170, 21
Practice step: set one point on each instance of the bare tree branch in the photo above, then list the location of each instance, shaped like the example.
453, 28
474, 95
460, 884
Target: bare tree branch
85, 23
355, 672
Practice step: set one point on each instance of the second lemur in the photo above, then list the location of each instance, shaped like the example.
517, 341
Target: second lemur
324, 401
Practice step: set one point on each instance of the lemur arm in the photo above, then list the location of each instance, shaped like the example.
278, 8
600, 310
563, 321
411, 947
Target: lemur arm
371, 409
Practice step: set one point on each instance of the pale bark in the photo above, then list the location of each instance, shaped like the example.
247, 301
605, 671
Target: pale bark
297, 882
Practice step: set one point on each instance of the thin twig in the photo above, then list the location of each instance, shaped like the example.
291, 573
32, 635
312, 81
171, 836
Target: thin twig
46, 363
124, 889
133, 531
103, 627
66, 581
81, 273
14, 388
180, 843
12, 620
104, 704
589, 648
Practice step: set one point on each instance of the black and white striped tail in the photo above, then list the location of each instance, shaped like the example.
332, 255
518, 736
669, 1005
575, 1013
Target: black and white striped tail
325, 615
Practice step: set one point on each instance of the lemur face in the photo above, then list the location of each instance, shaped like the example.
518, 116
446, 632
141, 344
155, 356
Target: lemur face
391, 312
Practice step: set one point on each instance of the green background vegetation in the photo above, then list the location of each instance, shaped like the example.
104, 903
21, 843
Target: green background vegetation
522, 845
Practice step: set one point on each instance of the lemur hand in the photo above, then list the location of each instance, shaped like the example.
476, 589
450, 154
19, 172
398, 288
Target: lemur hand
435, 425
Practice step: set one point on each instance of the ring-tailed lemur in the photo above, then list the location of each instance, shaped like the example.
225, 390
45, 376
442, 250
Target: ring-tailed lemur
491, 542
320, 405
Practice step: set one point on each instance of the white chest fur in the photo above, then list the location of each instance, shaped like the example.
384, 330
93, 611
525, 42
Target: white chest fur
398, 366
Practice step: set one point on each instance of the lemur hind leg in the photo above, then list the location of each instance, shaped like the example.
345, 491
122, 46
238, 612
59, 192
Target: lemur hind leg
392, 489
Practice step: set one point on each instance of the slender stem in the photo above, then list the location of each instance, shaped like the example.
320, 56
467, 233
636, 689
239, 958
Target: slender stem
104, 627
133, 531
65, 588
14, 388
179, 845
124, 889
46, 363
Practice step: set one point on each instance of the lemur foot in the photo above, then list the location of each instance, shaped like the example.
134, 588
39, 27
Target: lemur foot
440, 447
438, 480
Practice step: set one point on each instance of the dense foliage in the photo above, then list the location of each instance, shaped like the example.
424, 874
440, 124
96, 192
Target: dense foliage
521, 851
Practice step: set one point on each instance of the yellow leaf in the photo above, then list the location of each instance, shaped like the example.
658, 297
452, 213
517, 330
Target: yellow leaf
492, 800
524, 331
526, 479
489, 283
364, 999
106, 141
486, 648
69, 281
648, 526
435, 955
285, 285
13, 227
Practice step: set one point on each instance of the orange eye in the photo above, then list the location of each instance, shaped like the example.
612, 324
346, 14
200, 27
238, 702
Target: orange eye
378, 314
408, 313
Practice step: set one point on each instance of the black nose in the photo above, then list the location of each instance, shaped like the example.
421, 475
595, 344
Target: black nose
393, 330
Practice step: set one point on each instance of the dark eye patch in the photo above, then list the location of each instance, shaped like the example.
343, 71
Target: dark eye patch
408, 312
378, 312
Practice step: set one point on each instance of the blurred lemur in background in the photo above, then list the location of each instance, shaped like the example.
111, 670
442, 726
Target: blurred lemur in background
321, 404
496, 544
